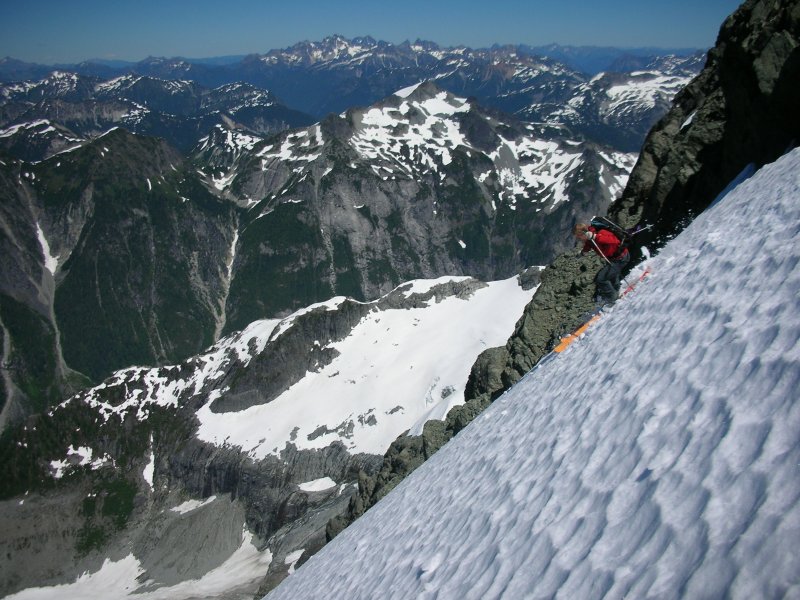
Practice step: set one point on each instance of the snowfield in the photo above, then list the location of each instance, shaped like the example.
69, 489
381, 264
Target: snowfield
657, 457
374, 390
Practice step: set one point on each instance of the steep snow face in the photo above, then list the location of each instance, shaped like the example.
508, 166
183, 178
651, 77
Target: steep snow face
656, 457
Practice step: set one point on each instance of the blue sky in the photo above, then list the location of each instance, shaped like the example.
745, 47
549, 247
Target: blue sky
51, 31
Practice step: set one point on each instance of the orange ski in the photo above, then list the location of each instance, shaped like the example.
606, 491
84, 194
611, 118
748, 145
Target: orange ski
567, 340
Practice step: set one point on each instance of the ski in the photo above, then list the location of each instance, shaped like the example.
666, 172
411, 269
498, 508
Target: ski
567, 340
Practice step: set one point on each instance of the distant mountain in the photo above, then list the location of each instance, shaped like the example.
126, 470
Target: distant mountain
592, 60
337, 73
620, 108
83, 107
12, 70
33, 140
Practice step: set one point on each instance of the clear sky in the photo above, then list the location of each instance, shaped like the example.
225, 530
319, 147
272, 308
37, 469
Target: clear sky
54, 31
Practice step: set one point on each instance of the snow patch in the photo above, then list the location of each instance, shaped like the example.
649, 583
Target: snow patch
355, 398
318, 485
191, 505
78, 457
119, 579
50, 261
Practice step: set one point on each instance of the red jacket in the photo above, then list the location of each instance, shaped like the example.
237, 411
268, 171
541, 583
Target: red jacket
607, 243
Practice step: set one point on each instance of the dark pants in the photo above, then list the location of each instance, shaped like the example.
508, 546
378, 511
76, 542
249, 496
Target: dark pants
607, 279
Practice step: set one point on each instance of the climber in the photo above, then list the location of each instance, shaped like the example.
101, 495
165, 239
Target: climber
612, 251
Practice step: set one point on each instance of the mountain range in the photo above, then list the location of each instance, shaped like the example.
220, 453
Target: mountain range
331, 76
42, 118
164, 309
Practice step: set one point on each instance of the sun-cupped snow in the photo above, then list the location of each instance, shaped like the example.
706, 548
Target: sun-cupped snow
657, 457
395, 370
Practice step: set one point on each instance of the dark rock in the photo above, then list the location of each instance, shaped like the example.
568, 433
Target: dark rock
740, 110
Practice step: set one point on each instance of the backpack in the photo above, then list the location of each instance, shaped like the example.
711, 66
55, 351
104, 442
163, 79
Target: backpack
625, 236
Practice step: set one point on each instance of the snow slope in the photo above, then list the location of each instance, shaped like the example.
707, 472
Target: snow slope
657, 457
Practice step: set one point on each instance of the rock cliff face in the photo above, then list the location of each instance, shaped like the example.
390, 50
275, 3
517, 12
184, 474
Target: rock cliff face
740, 110
118, 263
